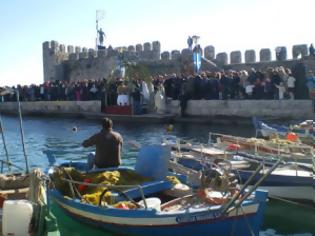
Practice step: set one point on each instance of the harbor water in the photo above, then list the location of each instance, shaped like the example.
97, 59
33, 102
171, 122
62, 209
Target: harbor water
62, 138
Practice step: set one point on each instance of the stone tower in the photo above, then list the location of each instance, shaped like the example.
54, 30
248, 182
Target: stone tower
53, 57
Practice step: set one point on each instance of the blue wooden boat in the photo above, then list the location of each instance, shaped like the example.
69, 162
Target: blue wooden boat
187, 215
191, 221
303, 130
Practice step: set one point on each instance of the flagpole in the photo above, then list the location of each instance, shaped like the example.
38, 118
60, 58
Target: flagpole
96, 39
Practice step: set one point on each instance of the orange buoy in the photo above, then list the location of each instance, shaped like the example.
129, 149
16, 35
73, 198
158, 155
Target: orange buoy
233, 147
292, 137
122, 206
82, 187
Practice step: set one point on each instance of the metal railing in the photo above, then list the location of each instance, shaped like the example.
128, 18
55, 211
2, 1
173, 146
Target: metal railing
9, 165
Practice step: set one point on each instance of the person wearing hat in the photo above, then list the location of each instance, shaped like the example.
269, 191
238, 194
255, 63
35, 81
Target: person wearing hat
108, 146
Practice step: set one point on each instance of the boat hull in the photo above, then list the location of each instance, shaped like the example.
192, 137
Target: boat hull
299, 193
151, 222
299, 188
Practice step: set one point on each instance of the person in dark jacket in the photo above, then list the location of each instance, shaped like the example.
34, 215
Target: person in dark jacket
312, 50
108, 145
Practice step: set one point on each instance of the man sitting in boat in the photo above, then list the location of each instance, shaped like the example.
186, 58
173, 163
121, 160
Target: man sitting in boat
108, 145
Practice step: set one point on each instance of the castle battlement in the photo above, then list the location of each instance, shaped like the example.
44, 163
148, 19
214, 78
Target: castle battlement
235, 57
58, 58
140, 52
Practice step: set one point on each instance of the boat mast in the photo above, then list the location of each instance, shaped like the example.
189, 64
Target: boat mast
4, 144
21, 130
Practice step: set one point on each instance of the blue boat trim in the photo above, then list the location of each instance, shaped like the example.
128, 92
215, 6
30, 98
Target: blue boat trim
143, 222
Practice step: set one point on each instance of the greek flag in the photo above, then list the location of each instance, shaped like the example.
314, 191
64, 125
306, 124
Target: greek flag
197, 60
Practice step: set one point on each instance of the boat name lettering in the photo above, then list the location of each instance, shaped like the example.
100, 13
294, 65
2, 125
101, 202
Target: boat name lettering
192, 218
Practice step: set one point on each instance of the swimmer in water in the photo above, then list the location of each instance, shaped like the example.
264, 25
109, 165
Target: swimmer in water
169, 128
74, 129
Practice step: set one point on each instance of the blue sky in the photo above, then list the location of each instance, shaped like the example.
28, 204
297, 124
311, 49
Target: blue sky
226, 24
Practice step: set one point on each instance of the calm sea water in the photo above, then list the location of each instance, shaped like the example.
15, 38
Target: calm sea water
58, 137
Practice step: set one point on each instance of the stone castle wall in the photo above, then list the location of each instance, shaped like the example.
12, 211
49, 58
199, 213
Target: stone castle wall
76, 63
288, 109
52, 107
280, 109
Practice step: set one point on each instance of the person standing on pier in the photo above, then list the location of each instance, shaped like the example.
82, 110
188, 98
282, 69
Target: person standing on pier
108, 146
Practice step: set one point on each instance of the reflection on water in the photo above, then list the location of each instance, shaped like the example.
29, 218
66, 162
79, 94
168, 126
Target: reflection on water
48, 138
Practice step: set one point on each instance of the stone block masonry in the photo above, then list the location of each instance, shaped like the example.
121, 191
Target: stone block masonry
76, 63
279, 109
52, 107
286, 109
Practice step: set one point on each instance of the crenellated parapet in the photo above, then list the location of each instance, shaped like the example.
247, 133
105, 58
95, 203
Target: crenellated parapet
186, 55
209, 52
53, 57
165, 56
299, 50
175, 55
70, 49
250, 56
59, 59
141, 52
265, 55
222, 58
156, 50
281, 53
236, 57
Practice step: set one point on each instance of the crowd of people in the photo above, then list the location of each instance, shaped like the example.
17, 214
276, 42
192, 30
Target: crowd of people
60, 91
273, 83
112, 92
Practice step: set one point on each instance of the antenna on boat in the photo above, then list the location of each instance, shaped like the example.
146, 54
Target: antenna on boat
21, 129
4, 145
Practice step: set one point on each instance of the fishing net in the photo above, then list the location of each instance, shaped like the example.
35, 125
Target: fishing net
91, 194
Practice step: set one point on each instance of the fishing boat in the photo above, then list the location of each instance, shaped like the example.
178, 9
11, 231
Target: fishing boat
289, 180
146, 205
304, 131
274, 146
24, 203
191, 163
